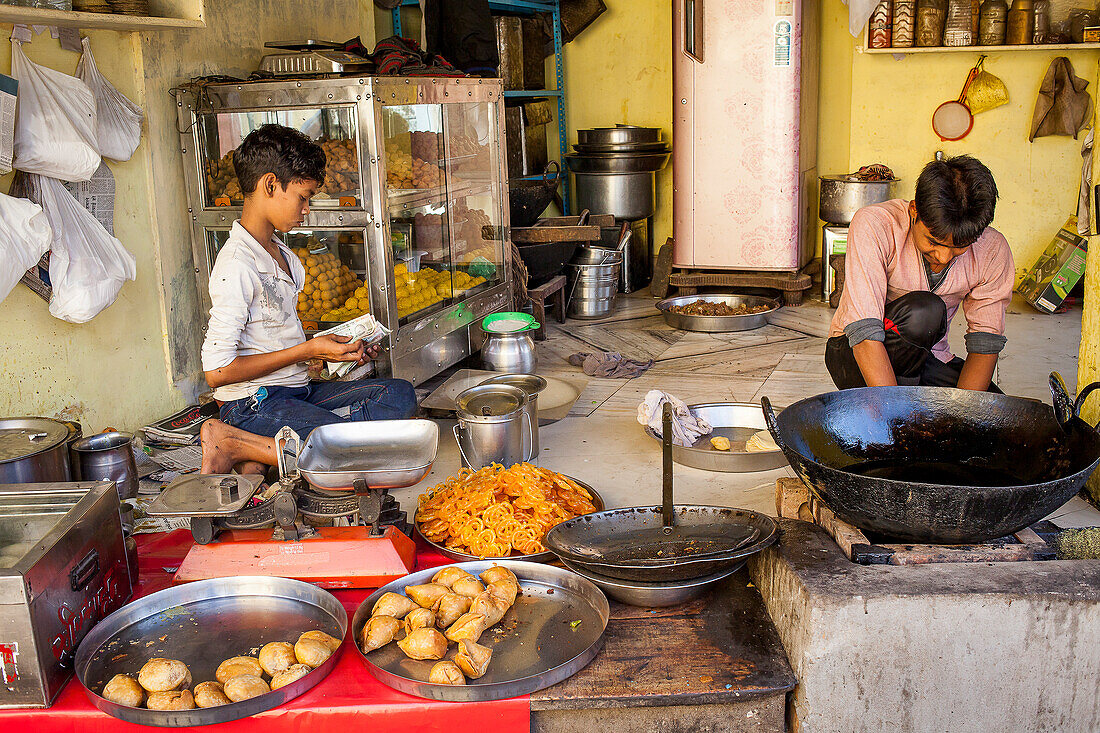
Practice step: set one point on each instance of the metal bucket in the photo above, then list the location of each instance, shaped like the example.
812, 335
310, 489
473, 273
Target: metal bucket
108, 456
493, 426
593, 287
531, 385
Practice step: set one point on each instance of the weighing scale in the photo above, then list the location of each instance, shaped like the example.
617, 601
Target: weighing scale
238, 531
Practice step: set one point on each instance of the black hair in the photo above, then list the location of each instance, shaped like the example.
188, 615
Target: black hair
956, 196
287, 153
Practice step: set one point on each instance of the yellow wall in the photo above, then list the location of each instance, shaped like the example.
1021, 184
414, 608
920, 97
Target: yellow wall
880, 109
136, 360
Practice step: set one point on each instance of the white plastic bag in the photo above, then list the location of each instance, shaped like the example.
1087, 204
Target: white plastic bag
55, 122
24, 238
87, 265
117, 118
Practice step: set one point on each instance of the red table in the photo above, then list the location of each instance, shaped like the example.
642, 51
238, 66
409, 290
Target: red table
350, 695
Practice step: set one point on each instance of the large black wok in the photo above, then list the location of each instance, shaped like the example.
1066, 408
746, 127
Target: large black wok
932, 464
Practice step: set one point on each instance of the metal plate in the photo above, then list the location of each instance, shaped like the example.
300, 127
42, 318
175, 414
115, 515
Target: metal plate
212, 495
538, 643
387, 454
653, 595
545, 556
555, 401
717, 324
737, 421
202, 624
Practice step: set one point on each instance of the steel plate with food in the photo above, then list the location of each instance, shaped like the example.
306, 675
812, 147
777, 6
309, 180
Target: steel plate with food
211, 651
738, 443
717, 313
484, 630
498, 512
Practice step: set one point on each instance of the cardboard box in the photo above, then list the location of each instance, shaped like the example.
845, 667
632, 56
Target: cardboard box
1057, 270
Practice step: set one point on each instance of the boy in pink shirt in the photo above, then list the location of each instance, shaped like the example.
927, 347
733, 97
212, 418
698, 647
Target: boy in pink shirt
908, 268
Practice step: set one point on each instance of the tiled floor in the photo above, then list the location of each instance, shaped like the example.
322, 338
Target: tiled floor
603, 444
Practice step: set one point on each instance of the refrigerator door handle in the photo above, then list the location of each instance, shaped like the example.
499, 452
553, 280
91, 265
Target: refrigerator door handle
693, 29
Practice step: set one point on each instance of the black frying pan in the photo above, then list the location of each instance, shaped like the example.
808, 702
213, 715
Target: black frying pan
932, 464
662, 543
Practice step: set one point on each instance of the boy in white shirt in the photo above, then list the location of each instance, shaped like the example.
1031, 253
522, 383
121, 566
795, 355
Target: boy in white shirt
255, 354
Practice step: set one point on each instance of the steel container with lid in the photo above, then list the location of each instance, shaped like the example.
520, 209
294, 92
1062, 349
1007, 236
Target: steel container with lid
34, 450
530, 385
493, 426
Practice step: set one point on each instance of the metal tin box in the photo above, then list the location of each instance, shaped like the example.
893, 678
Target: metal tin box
64, 561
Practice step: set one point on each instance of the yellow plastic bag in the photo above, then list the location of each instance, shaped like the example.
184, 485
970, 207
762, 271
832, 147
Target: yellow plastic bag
986, 91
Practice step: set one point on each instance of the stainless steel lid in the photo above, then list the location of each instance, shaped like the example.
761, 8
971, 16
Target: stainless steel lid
21, 437
103, 441
619, 134
209, 495
490, 403
530, 384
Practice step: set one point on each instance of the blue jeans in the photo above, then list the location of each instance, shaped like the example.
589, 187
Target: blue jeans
304, 408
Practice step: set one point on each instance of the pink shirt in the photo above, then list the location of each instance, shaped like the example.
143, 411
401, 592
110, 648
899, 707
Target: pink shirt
882, 263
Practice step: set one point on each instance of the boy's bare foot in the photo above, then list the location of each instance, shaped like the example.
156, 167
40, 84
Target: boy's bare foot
217, 455
254, 467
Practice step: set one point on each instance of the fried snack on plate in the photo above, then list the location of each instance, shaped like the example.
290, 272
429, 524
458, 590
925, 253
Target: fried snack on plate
473, 658
171, 700
498, 573
292, 673
377, 632
162, 675
311, 652
446, 673
424, 644
427, 594
123, 689
447, 576
720, 442
244, 687
237, 666
469, 587
327, 639
421, 618
469, 626
495, 511
393, 604
490, 606
449, 608
210, 695
506, 590
277, 656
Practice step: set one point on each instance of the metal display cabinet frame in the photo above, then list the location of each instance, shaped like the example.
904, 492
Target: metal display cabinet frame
427, 341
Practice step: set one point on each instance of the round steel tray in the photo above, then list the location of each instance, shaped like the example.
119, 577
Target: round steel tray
202, 624
544, 556
717, 324
736, 421
652, 595
554, 629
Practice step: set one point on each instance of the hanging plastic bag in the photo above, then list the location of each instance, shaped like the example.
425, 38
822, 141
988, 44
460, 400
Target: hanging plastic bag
87, 265
986, 91
117, 118
24, 237
55, 122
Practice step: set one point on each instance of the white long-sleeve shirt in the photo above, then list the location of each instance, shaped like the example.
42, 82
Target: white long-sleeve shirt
253, 311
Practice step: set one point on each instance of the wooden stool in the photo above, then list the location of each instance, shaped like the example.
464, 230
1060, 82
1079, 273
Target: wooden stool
553, 291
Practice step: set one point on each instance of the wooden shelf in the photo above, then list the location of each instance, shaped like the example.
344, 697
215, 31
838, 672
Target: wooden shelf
14, 14
984, 49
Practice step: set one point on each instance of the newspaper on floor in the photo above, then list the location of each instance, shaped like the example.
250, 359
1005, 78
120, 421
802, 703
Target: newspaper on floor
8, 90
181, 428
180, 460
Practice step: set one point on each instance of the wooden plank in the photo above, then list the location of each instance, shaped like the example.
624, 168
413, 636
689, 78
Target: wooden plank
108, 21
1028, 536
790, 494
924, 554
983, 49
533, 235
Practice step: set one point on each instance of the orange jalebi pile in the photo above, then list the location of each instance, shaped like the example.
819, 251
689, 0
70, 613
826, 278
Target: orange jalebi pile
494, 511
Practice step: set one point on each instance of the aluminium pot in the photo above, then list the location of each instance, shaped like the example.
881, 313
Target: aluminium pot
108, 457
530, 385
842, 197
493, 426
629, 196
34, 450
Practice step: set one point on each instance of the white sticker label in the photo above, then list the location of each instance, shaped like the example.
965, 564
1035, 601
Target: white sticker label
9, 667
782, 43
784, 7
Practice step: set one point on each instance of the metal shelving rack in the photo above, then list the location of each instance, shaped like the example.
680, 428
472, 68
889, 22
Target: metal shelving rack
529, 7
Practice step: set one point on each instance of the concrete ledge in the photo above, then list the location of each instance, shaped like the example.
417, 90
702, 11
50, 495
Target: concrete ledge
964, 647
755, 716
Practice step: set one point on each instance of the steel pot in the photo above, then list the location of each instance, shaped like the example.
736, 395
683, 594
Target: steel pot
512, 352
109, 457
841, 197
617, 163
628, 196
530, 385
619, 134
34, 450
493, 426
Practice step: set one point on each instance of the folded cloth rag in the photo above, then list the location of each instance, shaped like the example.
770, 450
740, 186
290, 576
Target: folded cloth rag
686, 428
1063, 107
610, 364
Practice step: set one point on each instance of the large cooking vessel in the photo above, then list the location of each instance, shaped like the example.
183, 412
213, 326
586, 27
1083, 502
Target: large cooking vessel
108, 457
932, 464
34, 450
843, 196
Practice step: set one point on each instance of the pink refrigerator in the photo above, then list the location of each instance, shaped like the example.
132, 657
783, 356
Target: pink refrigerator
744, 134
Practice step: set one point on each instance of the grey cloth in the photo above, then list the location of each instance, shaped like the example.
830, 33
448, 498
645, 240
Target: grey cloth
610, 364
867, 329
979, 342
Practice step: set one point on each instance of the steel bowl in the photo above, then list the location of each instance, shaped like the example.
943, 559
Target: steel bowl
736, 421
619, 134
544, 556
841, 198
718, 324
652, 595
387, 454
586, 148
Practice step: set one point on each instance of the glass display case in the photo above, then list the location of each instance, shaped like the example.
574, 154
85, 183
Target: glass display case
411, 223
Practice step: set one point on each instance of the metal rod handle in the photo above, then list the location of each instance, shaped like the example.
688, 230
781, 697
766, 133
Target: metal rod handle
693, 29
771, 422
666, 448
